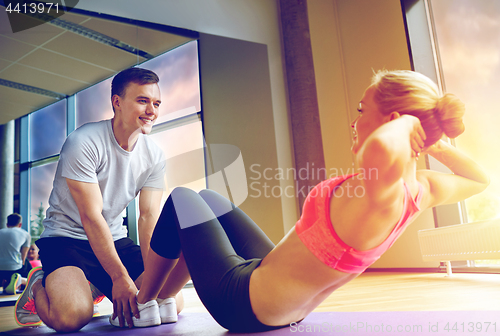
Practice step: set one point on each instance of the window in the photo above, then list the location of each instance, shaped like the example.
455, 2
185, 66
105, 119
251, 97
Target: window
178, 130
456, 44
47, 130
94, 104
179, 88
179, 81
41, 185
467, 33
183, 148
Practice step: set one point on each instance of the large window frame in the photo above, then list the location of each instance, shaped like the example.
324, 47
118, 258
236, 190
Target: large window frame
26, 164
425, 58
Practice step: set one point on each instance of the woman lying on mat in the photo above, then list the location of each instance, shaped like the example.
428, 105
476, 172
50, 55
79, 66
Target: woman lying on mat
248, 284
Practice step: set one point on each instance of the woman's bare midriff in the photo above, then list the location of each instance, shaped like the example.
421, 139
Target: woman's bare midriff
291, 282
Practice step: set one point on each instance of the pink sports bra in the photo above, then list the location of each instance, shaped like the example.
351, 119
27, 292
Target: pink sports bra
315, 229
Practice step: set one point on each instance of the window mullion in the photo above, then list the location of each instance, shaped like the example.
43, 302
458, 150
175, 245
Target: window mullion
24, 172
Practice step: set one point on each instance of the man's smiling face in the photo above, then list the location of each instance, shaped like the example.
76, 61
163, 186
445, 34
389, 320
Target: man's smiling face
139, 107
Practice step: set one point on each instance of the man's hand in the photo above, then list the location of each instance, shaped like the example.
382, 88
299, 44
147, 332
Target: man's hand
124, 300
88, 198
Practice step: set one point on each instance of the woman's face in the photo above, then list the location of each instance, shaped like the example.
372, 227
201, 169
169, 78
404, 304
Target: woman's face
368, 120
33, 253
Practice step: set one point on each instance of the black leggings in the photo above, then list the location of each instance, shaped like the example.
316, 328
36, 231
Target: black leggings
221, 245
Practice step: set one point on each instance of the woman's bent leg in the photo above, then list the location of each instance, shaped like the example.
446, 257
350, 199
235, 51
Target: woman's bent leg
187, 221
247, 239
220, 276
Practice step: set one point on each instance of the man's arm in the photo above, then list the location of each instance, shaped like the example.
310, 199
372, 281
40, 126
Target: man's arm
24, 253
88, 199
149, 211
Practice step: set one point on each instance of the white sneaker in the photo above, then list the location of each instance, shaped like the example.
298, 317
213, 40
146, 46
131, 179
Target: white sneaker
25, 310
96, 311
149, 316
168, 310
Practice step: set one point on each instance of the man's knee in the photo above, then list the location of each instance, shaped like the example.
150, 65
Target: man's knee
70, 300
71, 319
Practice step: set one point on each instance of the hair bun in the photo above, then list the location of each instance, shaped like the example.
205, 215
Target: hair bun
450, 112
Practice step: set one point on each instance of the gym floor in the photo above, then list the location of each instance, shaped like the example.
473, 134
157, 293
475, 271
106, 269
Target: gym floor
372, 292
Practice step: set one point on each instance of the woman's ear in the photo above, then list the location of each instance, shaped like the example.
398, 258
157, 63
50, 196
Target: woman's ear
394, 115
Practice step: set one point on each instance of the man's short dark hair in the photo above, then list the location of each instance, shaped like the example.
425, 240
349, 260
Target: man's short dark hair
14, 219
132, 75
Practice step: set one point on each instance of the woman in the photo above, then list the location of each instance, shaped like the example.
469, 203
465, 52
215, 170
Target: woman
249, 285
33, 257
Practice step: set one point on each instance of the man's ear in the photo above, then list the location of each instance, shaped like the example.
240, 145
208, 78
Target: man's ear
115, 101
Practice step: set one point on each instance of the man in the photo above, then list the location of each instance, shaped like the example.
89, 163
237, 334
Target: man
103, 166
14, 246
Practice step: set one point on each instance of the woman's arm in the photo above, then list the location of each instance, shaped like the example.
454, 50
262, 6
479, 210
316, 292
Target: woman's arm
385, 154
468, 177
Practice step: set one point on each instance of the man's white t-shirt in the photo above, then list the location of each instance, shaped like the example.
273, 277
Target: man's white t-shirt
91, 154
12, 240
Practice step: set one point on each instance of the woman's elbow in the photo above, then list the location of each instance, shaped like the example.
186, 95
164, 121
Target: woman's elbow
485, 183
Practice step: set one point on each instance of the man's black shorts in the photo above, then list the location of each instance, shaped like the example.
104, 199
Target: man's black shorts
6, 275
57, 252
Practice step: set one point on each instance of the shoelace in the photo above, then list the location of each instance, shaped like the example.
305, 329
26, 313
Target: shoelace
30, 306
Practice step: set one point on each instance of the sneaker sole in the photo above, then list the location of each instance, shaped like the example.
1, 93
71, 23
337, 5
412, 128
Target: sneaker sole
168, 311
147, 323
169, 319
26, 291
10, 290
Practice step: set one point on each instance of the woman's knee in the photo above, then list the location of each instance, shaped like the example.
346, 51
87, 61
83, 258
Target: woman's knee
218, 203
211, 195
180, 192
190, 208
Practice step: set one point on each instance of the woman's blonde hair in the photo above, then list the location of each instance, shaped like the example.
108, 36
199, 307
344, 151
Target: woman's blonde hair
409, 92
